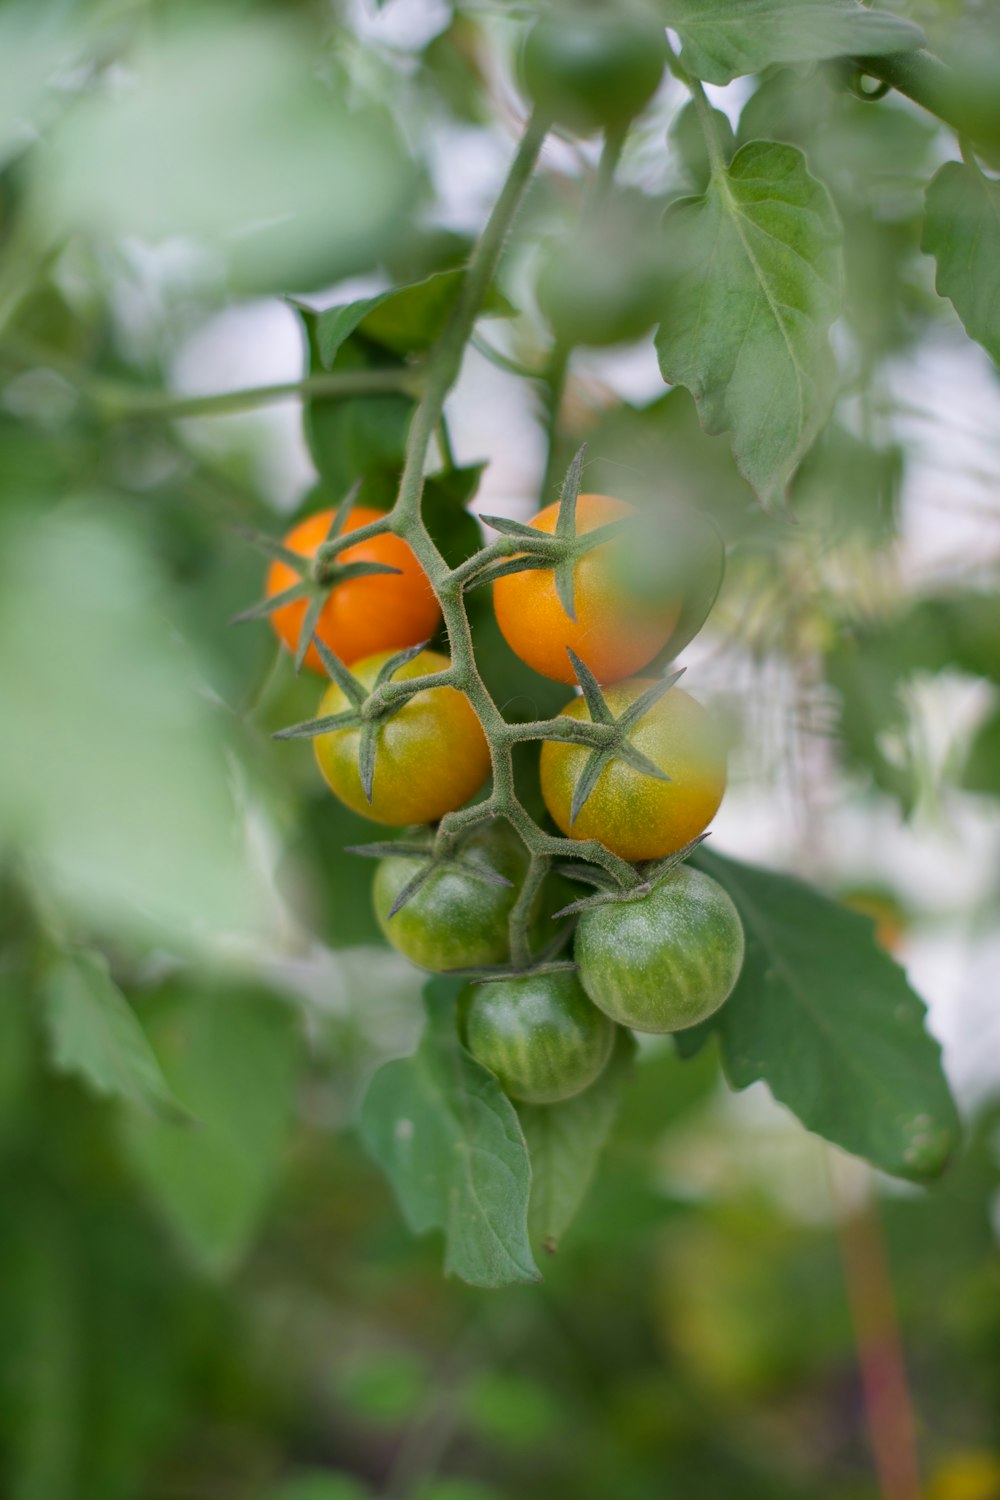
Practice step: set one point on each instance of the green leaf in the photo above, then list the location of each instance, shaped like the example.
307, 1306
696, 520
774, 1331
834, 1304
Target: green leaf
962, 232
755, 273
232, 1057
449, 1140
319, 1486
828, 1020
403, 319
687, 139
229, 136
982, 767
96, 1035
723, 39
452, 527
119, 782
564, 1143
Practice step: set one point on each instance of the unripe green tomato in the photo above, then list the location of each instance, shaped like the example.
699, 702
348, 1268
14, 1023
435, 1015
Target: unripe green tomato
454, 921
604, 283
539, 1034
663, 961
592, 72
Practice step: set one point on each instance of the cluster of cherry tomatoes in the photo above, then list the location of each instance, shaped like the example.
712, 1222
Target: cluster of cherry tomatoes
658, 958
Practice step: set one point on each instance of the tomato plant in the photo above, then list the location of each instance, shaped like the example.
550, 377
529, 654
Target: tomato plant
459, 916
637, 815
592, 72
613, 633
664, 960
539, 1034
362, 614
430, 756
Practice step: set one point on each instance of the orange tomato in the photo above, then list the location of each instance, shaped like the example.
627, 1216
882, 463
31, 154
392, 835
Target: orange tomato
639, 817
615, 635
380, 612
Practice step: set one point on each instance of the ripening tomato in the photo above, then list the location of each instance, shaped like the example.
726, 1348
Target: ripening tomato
431, 755
539, 1034
455, 920
636, 816
379, 612
665, 960
616, 631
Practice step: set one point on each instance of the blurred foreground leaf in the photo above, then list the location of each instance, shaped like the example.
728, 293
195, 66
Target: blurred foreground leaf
225, 133
113, 763
962, 232
448, 1137
831, 1025
232, 1058
96, 1034
723, 39
565, 1142
755, 275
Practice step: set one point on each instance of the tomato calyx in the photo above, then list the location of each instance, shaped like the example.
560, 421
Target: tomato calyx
368, 711
318, 575
422, 853
650, 876
560, 551
619, 744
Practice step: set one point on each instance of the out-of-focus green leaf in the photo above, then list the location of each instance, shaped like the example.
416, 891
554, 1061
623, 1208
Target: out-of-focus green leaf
687, 138
449, 1139
319, 1486
384, 1386
225, 134
849, 487
982, 767
830, 1023
96, 1034
113, 767
723, 39
962, 232
868, 666
565, 1142
403, 319
510, 1409
231, 1056
446, 496
754, 269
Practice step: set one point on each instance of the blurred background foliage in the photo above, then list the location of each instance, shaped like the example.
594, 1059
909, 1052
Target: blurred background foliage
206, 1292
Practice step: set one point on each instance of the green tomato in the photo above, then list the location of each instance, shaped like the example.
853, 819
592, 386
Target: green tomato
604, 282
454, 920
662, 961
592, 72
539, 1034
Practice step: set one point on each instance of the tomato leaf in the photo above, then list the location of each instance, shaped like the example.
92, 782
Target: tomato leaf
96, 1034
564, 1143
232, 1059
830, 1023
449, 1140
962, 232
755, 272
403, 319
723, 39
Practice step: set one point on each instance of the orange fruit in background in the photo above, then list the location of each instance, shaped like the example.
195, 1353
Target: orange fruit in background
614, 633
636, 816
379, 612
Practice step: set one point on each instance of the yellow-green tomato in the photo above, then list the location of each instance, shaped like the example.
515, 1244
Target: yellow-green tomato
431, 755
455, 919
662, 961
539, 1034
637, 816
